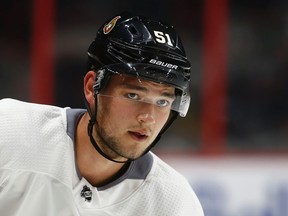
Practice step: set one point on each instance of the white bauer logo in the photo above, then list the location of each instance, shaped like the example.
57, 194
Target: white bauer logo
163, 64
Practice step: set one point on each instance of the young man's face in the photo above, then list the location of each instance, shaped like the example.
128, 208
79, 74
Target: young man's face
131, 113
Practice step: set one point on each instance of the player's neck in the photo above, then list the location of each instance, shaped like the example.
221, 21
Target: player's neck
92, 166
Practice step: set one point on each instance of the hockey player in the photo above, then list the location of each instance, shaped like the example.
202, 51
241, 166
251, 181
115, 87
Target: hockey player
62, 161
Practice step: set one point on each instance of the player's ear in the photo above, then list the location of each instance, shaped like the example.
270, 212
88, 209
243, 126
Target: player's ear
89, 81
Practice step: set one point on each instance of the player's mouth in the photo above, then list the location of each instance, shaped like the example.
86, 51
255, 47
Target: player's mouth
138, 135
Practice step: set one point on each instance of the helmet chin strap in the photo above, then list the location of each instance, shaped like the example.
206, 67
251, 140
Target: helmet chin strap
90, 133
92, 121
92, 140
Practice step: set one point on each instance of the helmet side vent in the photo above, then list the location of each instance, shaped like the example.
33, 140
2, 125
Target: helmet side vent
133, 30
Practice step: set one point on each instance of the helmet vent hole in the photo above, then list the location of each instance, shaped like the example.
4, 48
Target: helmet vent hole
133, 30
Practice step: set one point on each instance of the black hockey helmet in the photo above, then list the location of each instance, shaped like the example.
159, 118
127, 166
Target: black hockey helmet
145, 48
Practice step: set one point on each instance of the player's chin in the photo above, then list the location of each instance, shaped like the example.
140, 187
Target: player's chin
135, 155
137, 149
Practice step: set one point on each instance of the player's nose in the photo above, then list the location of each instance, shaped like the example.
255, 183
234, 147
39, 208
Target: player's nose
146, 114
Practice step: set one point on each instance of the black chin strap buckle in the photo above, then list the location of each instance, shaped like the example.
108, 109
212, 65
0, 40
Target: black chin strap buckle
90, 126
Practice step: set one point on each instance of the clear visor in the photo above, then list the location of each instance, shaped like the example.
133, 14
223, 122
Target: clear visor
143, 84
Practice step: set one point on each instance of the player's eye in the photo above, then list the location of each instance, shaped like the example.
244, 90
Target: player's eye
133, 96
163, 103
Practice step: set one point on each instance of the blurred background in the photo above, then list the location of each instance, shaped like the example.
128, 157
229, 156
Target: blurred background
233, 145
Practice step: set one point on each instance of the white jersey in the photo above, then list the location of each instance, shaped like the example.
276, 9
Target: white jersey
39, 176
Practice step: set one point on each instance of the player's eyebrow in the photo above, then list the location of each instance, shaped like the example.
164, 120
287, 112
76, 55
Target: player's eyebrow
144, 89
